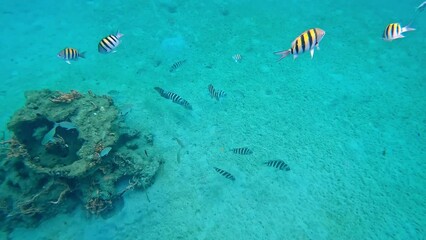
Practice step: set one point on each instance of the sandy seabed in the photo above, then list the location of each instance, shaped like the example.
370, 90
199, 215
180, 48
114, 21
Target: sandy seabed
350, 123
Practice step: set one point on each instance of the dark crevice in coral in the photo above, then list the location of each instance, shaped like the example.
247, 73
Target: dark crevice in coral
42, 182
24, 132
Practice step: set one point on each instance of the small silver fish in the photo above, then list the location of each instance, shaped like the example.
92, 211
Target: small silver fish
105, 151
49, 137
67, 125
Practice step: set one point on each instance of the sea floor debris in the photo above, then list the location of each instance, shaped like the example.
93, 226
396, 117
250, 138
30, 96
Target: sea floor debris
70, 150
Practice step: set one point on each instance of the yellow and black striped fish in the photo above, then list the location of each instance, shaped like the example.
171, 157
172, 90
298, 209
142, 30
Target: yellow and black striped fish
394, 31
306, 41
217, 94
280, 164
69, 54
109, 43
224, 173
174, 97
177, 65
242, 151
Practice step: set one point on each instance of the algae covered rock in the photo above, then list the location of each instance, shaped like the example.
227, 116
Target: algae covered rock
69, 149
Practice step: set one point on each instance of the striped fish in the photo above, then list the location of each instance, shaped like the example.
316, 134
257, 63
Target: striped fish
280, 164
109, 43
237, 58
307, 41
217, 94
394, 31
242, 151
174, 97
176, 65
224, 173
69, 54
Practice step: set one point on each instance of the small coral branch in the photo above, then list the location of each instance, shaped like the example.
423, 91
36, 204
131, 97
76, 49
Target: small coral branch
62, 194
35, 196
131, 186
132, 183
28, 207
29, 210
66, 97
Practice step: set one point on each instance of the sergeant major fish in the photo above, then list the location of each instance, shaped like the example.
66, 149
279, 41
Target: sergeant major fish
214, 93
394, 31
242, 151
224, 173
70, 54
174, 97
237, 58
177, 65
280, 164
109, 43
306, 41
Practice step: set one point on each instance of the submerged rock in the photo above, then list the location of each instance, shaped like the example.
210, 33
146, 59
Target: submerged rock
65, 154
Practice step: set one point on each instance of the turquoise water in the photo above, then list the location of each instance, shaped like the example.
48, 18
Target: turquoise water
350, 123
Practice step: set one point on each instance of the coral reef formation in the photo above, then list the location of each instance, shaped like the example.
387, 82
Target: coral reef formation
69, 150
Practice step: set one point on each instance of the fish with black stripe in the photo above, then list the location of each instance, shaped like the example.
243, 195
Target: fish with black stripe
174, 97
394, 31
307, 41
177, 65
70, 54
224, 173
217, 94
280, 164
242, 151
109, 43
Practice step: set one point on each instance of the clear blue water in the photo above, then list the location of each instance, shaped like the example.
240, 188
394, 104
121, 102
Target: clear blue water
330, 118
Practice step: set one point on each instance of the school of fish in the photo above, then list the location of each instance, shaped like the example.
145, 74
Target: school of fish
307, 41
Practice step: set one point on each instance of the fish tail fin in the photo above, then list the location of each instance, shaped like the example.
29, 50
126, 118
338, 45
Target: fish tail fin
118, 34
407, 29
282, 54
82, 54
